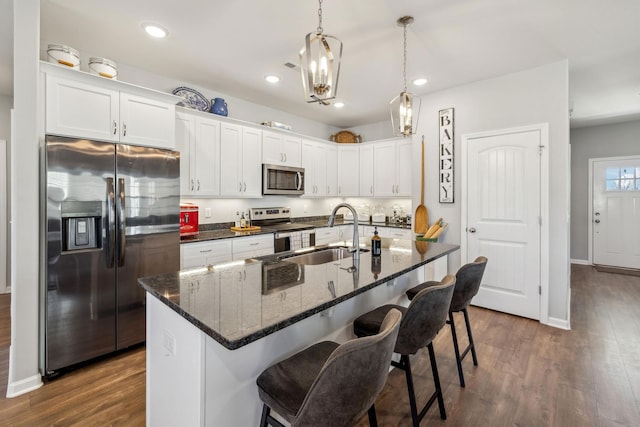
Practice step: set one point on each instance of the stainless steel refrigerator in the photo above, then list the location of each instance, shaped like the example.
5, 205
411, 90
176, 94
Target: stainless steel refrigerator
111, 216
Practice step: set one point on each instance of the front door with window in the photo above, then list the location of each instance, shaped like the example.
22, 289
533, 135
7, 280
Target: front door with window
616, 212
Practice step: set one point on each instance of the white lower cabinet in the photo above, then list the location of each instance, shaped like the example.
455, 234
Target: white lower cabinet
202, 254
326, 235
252, 246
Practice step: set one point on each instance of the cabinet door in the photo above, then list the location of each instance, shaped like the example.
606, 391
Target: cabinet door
332, 171
80, 110
185, 141
202, 254
348, 171
146, 122
251, 162
320, 168
231, 159
308, 163
366, 171
403, 168
272, 152
253, 246
292, 148
384, 159
252, 298
207, 157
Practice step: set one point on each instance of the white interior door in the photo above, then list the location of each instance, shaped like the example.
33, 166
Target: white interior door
616, 212
502, 190
3, 217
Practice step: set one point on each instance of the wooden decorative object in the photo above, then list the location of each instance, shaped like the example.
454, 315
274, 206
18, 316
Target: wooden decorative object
346, 137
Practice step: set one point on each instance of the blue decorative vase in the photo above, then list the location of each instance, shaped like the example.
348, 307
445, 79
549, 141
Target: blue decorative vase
219, 107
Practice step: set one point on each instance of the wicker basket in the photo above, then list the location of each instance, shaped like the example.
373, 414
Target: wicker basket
346, 137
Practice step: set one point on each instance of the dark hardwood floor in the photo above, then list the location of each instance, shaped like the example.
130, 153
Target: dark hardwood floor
529, 374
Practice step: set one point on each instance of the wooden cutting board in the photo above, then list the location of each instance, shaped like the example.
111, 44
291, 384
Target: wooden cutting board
252, 228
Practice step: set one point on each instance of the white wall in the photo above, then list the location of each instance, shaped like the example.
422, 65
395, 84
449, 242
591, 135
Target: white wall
620, 139
538, 95
23, 353
6, 104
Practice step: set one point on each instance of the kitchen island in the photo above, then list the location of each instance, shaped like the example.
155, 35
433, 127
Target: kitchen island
211, 331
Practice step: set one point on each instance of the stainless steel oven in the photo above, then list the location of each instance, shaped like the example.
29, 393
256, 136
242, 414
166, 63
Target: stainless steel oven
283, 180
279, 275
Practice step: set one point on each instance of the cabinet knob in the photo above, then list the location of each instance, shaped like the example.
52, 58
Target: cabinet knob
472, 230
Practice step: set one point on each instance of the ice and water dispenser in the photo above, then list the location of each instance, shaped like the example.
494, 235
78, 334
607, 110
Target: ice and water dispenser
81, 225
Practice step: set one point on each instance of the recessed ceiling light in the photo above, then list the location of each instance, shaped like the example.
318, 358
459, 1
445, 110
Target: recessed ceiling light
420, 82
272, 78
155, 30
339, 104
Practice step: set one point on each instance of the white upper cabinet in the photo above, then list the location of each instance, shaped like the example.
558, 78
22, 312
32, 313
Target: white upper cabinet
240, 169
366, 171
280, 149
319, 162
348, 171
198, 140
392, 166
81, 105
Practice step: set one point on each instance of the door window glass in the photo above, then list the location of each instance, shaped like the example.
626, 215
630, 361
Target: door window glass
623, 179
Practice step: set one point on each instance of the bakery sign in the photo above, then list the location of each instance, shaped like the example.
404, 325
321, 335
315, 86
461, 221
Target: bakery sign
445, 126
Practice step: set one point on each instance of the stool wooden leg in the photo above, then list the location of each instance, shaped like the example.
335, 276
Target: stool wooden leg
471, 344
456, 349
373, 420
436, 380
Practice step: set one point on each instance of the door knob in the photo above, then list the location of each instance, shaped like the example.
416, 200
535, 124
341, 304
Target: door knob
472, 230
597, 221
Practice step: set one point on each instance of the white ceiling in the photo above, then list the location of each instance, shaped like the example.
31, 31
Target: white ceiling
231, 45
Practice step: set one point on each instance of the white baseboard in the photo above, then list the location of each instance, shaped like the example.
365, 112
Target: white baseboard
25, 385
15, 389
558, 323
580, 261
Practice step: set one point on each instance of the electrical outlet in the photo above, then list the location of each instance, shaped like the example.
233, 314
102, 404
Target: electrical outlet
169, 342
207, 212
304, 208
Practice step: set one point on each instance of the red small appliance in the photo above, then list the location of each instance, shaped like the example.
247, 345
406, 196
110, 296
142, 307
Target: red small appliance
188, 220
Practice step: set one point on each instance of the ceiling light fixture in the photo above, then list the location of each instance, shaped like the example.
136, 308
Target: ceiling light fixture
272, 78
405, 108
420, 82
155, 30
320, 64
339, 104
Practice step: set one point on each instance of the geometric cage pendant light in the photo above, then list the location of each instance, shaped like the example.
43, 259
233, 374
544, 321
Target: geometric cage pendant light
405, 108
320, 59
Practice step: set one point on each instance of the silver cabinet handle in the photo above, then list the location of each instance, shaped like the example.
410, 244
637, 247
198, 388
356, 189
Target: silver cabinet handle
198, 184
115, 127
339, 189
192, 185
240, 187
285, 157
472, 230
124, 129
206, 251
397, 189
328, 189
254, 244
371, 189
281, 157
244, 187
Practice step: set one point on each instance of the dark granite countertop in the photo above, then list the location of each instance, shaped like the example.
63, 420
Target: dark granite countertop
240, 302
223, 231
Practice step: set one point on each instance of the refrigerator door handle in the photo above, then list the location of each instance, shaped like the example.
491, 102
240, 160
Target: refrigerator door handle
121, 222
111, 223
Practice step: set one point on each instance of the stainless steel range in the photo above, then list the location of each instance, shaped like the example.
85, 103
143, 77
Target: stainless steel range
288, 235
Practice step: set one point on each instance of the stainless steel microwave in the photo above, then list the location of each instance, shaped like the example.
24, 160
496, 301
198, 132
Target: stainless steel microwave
285, 180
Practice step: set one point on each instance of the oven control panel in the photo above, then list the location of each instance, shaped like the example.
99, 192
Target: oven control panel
269, 213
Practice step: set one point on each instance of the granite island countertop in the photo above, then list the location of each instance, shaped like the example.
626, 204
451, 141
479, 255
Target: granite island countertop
239, 302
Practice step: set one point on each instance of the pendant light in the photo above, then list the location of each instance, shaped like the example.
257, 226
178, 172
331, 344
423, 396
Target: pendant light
405, 108
320, 64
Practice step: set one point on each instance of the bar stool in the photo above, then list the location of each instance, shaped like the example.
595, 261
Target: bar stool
468, 280
330, 384
421, 321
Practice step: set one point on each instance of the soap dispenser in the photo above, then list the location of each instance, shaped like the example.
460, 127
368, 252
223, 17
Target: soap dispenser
376, 244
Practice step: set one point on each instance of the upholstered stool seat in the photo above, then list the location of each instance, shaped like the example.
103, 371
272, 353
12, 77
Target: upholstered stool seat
330, 384
421, 321
468, 280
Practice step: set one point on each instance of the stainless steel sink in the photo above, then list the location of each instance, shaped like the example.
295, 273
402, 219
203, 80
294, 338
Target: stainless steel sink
322, 256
